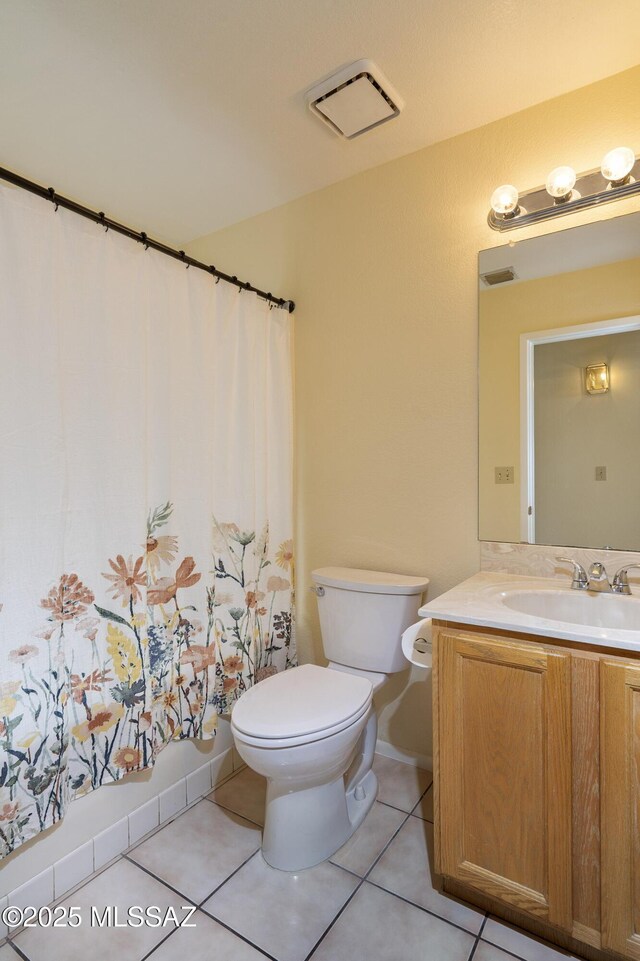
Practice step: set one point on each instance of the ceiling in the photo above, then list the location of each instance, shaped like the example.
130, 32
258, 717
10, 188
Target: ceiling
183, 116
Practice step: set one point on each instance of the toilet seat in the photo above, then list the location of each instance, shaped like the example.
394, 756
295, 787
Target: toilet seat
301, 705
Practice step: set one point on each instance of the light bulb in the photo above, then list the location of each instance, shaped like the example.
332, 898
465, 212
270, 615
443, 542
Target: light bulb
617, 165
561, 182
504, 200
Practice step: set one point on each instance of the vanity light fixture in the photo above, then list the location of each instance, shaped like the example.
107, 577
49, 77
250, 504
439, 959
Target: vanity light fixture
560, 184
565, 192
504, 201
617, 165
597, 379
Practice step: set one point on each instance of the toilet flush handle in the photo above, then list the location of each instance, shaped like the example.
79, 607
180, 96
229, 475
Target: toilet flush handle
318, 591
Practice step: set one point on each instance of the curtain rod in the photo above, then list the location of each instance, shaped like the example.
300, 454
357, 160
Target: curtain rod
48, 193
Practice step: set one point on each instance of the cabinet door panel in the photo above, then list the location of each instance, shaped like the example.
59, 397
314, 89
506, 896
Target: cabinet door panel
505, 771
620, 814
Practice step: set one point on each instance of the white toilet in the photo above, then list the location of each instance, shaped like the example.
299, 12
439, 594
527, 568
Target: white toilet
311, 731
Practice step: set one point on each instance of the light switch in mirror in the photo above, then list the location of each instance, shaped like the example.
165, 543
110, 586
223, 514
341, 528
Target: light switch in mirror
573, 304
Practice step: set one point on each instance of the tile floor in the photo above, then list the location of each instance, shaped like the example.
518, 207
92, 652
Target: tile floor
375, 899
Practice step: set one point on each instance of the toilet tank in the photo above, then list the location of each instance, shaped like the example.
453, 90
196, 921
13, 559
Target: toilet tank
363, 615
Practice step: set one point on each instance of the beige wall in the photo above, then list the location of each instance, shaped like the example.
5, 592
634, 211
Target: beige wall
576, 431
383, 268
563, 300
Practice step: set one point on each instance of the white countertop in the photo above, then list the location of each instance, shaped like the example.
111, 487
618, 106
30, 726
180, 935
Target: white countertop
480, 600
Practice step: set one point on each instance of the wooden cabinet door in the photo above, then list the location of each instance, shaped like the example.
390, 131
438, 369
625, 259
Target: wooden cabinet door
620, 805
504, 769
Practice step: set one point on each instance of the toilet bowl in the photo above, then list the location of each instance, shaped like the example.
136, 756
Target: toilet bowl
311, 731
301, 730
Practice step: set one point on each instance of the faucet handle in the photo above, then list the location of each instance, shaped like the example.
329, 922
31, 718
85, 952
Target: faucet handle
620, 583
580, 579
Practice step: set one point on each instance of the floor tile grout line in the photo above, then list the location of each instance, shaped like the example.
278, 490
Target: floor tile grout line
231, 811
335, 919
18, 951
433, 914
354, 874
228, 878
158, 945
362, 881
155, 877
533, 937
395, 806
240, 937
389, 842
422, 796
516, 957
182, 894
200, 907
474, 947
519, 930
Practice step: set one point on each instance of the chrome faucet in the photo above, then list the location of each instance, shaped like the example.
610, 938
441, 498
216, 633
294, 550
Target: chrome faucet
620, 583
596, 578
580, 580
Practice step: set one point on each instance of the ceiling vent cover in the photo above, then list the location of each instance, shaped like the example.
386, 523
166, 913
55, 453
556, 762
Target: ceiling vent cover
356, 99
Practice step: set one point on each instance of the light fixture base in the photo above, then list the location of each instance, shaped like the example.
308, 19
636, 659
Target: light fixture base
591, 189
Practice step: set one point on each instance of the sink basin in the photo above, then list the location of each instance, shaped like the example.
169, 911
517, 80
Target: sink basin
521, 604
610, 611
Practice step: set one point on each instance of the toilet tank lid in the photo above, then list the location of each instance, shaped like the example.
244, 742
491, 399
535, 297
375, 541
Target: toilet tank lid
369, 582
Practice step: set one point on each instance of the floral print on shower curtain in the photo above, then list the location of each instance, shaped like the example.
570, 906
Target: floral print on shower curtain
116, 640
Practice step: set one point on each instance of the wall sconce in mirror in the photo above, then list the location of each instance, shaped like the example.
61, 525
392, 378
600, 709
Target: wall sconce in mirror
597, 379
566, 192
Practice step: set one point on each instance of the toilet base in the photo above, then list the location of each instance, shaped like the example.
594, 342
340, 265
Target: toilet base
361, 798
306, 827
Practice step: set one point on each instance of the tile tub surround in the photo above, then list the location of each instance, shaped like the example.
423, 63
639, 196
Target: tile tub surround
70, 871
102, 812
376, 898
539, 560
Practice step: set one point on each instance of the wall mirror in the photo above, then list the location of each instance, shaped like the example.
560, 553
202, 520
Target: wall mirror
559, 353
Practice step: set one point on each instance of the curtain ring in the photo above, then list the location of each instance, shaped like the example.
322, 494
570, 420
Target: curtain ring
183, 257
102, 223
52, 198
144, 239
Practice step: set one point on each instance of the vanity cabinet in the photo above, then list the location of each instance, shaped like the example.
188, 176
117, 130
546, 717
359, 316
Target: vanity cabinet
537, 784
505, 771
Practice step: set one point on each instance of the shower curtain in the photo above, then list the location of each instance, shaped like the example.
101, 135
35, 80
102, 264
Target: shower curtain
145, 502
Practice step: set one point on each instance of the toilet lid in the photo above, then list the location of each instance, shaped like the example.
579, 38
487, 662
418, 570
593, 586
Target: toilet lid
303, 700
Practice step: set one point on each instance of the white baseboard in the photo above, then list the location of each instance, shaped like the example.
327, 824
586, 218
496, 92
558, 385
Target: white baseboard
408, 757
